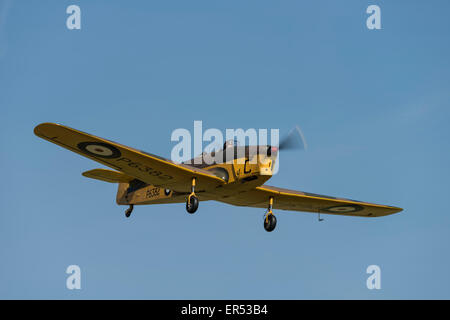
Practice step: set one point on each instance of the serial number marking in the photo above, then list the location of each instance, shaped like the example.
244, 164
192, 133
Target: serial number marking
143, 168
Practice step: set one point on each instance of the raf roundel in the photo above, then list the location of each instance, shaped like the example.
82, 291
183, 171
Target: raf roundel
343, 209
99, 149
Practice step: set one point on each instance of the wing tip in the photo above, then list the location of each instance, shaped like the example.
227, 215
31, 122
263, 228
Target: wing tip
40, 127
389, 210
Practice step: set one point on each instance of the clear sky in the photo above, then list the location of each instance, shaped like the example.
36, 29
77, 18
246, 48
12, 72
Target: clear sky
373, 106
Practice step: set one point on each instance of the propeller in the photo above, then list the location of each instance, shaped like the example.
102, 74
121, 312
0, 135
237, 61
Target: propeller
294, 140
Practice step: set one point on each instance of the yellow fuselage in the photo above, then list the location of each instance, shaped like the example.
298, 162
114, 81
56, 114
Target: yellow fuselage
243, 169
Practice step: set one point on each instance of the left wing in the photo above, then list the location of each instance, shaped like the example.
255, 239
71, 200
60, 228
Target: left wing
141, 165
292, 200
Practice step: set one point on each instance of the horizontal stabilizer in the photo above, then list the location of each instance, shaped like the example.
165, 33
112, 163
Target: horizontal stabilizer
107, 175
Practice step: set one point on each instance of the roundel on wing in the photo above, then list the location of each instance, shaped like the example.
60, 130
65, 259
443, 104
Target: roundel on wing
346, 208
99, 149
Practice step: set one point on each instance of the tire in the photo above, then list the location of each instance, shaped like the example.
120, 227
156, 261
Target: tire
192, 204
129, 211
271, 223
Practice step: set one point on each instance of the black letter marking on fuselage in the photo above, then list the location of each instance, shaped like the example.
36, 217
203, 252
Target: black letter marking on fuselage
245, 166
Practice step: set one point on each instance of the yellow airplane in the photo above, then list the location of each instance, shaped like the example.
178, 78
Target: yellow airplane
144, 178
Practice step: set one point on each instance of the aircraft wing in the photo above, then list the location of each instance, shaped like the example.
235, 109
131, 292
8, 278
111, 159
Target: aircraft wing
108, 176
292, 200
144, 166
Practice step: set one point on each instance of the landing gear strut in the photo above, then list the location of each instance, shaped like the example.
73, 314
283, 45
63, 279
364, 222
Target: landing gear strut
128, 211
270, 221
192, 200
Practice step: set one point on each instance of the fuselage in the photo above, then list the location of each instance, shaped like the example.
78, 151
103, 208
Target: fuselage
241, 167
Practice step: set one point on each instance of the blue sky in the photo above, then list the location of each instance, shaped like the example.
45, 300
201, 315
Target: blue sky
373, 106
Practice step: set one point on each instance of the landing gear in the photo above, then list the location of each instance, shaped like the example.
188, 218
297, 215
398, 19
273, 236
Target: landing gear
192, 200
270, 221
128, 211
192, 204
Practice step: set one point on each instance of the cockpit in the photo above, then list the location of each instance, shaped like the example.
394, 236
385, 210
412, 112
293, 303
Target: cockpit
230, 143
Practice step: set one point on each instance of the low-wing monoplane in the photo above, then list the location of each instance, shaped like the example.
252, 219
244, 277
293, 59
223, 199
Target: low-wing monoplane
237, 179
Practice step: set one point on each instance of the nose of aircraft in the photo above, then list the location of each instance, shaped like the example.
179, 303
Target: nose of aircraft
265, 162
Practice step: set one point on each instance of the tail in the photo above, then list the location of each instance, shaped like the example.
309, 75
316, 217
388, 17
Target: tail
113, 177
122, 194
134, 191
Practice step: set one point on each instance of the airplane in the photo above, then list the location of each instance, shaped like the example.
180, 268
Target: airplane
145, 178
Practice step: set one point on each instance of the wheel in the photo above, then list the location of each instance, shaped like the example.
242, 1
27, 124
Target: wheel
128, 211
192, 204
270, 223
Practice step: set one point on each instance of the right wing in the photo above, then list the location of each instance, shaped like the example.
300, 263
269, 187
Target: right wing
143, 166
293, 200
